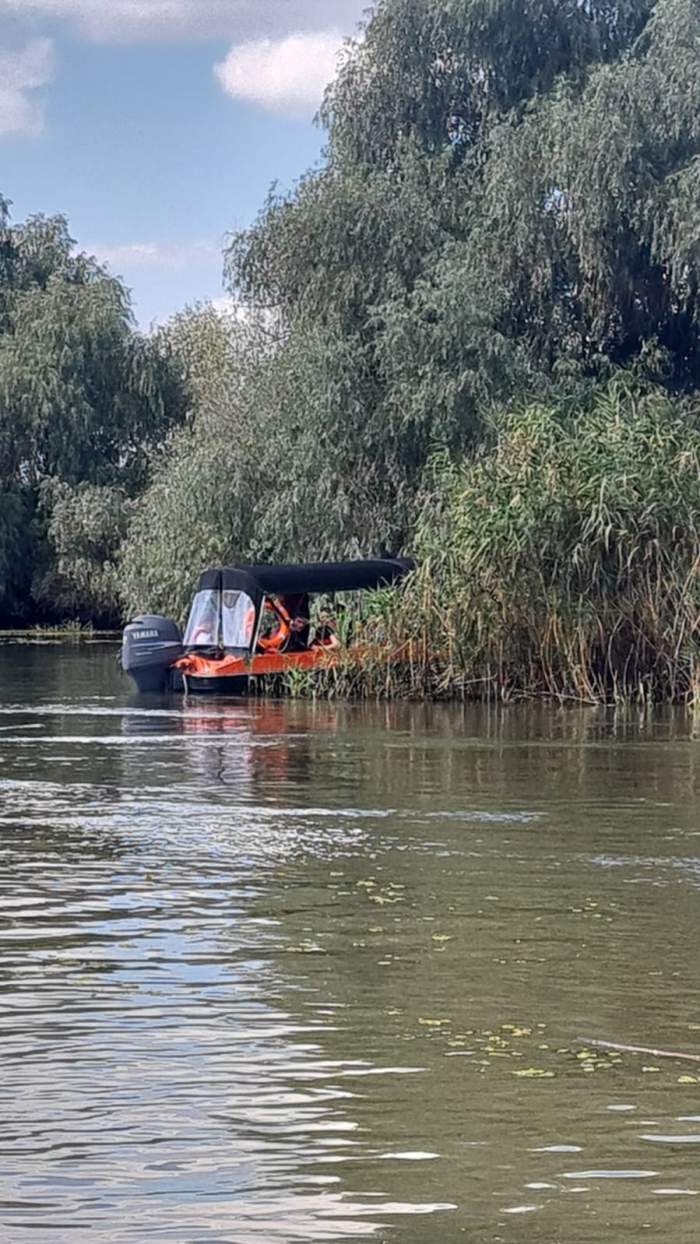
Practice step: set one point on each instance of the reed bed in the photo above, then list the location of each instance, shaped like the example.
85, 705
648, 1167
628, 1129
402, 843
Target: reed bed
564, 562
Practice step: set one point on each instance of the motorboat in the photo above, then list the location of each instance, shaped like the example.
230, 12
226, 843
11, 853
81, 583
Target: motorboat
249, 622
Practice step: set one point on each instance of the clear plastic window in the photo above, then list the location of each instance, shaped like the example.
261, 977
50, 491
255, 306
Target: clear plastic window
221, 620
203, 624
238, 617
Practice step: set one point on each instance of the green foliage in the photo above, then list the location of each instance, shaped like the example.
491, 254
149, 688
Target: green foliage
83, 400
259, 475
566, 560
203, 502
440, 70
509, 206
15, 540
82, 396
85, 528
586, 224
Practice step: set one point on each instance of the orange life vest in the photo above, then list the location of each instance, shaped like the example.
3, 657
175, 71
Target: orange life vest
278, 639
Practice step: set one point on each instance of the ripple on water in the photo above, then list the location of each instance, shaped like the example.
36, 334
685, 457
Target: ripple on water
222, 929
610, 1174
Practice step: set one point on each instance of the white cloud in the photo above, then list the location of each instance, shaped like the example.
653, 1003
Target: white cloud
283, 52
286, 75
169, 256
125, 21
22, 72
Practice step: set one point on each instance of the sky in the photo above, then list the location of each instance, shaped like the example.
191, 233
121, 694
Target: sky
157, 126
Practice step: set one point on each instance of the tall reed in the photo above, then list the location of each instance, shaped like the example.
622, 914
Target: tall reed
563, 562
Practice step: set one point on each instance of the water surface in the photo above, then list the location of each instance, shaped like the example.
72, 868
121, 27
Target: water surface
279, 972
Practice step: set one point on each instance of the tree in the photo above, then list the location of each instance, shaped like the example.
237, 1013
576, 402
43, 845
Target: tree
202, 502
507, 205
85, 527
84, 398
440, 71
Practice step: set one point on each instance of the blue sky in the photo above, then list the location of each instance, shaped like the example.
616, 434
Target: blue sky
156, 126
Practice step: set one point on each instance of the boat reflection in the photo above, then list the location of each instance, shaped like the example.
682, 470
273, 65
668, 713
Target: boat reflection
260, 744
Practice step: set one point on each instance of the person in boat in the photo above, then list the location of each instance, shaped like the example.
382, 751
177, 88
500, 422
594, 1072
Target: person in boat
297, 608
290, 628
325, 635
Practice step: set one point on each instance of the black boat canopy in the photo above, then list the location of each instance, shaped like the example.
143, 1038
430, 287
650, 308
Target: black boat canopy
258, 581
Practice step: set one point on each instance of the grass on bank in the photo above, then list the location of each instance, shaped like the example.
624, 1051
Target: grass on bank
71, 629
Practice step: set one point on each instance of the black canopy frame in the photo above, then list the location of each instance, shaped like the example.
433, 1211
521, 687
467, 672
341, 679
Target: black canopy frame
309, 578
260, 582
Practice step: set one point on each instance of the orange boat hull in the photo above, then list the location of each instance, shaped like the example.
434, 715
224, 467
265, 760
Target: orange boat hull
194, 666
230, 674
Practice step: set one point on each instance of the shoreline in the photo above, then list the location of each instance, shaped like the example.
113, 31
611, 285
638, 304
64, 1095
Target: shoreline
76, 634
413, 683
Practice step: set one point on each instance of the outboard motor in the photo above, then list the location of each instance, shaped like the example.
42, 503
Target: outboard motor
149, 647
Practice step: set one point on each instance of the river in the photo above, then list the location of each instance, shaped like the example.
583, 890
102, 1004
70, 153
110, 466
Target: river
277, 972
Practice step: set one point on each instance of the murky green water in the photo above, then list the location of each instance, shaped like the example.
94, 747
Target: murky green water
283, 972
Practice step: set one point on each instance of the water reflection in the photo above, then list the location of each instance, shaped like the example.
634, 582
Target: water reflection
316, 972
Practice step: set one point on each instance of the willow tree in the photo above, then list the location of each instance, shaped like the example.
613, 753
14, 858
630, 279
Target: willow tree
231, 485
83, 397
508, 203
440, 71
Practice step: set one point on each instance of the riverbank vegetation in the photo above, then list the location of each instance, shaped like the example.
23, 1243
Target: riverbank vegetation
563, 561
471, 335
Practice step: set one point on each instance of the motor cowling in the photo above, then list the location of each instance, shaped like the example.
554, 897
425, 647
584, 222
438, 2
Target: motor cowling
150, 645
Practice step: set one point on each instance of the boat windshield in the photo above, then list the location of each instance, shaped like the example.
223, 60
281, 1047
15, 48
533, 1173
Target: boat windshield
238, 617
220, 620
